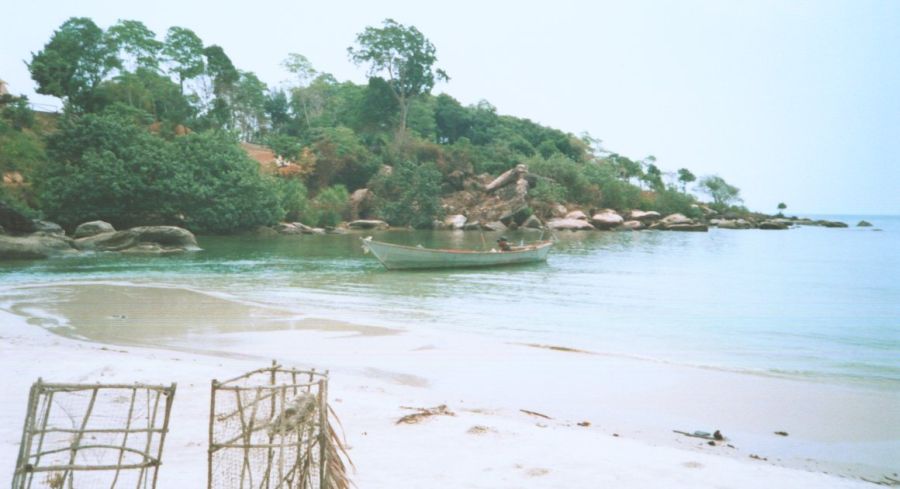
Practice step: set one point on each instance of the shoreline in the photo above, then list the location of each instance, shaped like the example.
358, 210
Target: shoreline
375, 374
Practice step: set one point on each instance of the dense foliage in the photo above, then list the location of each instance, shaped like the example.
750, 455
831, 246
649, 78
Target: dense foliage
152, 125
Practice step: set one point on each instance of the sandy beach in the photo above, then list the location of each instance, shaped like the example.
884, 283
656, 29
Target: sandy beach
609, 419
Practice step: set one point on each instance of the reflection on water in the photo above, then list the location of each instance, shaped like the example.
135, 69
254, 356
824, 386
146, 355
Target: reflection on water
822, 303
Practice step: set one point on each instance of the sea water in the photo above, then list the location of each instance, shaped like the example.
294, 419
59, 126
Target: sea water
809, 303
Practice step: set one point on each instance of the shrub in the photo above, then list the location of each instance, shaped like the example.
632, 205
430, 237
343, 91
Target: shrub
331, 205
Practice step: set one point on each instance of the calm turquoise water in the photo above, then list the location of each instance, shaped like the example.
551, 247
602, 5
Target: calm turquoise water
821, 304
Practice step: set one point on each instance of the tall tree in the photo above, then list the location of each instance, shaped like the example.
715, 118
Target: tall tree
184, 51
74, 62
136, 44
722, 193
303, 71
403, 56
685, 177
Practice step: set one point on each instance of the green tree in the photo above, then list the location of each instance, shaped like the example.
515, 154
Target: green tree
332, 204
403, 56
685, 177
410, 194
722, 193
303, 71
653, 177
74, 62
781, 207
183, 50
106, 167
137, 45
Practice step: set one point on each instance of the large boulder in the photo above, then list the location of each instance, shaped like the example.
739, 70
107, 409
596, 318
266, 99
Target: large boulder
362, 204
92, 228
691, 227
48, 227
368, 224
832, 224
569, 225
288, 228
607, 219
577, 215
456, 221
532, 222
772, 225
510, 176
559, 210
37, 245
679, 222
494, 226
167, 239
864, 224
732, 223
644, 216
631, 226
472, 226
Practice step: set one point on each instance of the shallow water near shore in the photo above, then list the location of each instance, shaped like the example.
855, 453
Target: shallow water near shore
809, 303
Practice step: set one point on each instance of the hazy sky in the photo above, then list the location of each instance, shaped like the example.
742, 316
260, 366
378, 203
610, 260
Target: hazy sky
790, 101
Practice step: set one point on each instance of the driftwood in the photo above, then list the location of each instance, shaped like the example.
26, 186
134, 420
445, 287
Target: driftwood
508, 177
534, 413
424, 413
717, 436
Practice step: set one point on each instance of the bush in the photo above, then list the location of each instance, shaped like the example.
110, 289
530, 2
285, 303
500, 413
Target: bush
331, 205
105, 167
295, 201
410, 195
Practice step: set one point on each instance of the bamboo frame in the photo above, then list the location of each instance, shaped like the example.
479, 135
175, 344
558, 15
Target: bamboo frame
279, 458
45, 400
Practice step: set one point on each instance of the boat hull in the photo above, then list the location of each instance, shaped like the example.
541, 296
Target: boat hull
397, 257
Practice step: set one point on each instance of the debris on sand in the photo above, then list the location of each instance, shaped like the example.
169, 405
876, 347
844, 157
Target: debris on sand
480, 430
533, 413
717, 436
424, 413
781, 433
584, 424
757, 457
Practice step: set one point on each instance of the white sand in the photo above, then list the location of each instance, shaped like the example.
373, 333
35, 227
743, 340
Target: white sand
486, 383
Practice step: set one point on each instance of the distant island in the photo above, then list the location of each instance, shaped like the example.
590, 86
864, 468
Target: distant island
168, 132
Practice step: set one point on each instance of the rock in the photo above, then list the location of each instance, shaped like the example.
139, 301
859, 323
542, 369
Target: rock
832, 224
559, 210
333, 230
607, 219
772, 224
362, 203
168, 239
510, 176
92, 228
48, 227
308, 229
456, 221
368, 224
632, 225
494, 226
577, 215
731, 223
675, 219
532, 222
644, 216
864, 224
38, 245
472, 226
570, 225
691, 227
287, 228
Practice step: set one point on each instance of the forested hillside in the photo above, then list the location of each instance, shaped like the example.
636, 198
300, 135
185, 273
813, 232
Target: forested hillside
151, 128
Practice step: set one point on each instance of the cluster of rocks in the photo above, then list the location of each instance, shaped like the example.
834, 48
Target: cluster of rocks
23, 239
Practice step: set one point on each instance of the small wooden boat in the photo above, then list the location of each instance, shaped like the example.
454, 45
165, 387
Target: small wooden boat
399, 257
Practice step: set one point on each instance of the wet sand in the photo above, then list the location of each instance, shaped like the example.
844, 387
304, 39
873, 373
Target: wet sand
631, 406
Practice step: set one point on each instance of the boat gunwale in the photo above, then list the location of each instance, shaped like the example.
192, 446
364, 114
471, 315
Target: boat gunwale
529, 248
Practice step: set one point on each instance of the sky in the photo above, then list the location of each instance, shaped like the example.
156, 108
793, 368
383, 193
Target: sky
791, 101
